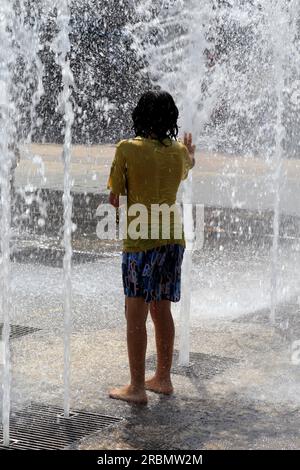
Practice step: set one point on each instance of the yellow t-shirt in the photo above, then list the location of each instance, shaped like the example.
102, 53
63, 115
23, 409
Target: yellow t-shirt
149, 173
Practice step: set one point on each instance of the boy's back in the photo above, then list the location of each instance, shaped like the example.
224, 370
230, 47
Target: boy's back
149, 173
153, 171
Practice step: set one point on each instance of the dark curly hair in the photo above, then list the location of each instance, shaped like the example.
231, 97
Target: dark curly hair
156, 114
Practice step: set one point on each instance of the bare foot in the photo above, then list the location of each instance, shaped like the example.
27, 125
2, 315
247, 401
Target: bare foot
159, 386
129, 394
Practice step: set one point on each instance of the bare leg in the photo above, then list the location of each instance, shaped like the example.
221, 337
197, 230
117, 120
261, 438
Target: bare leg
137, 311
164, 335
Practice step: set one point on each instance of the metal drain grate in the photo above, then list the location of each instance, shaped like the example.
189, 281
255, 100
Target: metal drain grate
43, 427
16, 331
202, 365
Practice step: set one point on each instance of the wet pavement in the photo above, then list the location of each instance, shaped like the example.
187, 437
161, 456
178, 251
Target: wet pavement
241, 389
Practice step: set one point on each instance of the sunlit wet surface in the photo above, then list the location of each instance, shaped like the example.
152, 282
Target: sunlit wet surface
229, 279
241, 388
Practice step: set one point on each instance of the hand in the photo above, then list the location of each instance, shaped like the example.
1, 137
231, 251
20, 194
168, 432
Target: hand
114, 200
188, 142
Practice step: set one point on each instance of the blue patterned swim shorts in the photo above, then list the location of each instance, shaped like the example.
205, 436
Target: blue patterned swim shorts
154, 274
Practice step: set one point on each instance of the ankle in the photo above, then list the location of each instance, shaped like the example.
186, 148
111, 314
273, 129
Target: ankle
137, 387
162, 377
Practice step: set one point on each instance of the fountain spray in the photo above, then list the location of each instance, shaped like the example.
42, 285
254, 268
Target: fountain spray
282, 17
172, 38
62, 47
7, 128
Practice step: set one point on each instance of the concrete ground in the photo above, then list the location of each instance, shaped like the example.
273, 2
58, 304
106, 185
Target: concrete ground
241, 390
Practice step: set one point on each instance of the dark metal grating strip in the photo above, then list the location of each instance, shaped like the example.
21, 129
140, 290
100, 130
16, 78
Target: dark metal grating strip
16, 331
41, 426
201, 365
